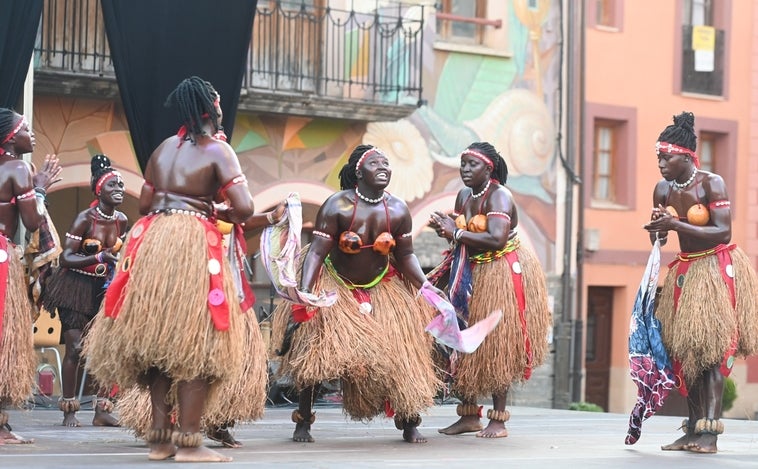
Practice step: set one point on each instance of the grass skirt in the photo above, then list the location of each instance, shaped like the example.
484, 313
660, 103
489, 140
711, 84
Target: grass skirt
17, 358
384, 355
165, 322
77, 297
241, 399
700, 331
502, 359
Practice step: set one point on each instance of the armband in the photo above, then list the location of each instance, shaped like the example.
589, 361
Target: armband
499, 214
719, 204
321, 234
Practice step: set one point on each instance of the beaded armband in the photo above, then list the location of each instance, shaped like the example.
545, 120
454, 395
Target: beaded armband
499, 214
26, 195
719, 204
321, 234
74, 237
406, 235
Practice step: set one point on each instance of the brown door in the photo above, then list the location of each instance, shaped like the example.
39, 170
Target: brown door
597, 360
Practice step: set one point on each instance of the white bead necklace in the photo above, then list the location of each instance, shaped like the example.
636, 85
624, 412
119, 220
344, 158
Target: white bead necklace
484, 191
686, 183
366, 199
103, 215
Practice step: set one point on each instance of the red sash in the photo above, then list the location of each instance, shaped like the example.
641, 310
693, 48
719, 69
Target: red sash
217, 304
518, 287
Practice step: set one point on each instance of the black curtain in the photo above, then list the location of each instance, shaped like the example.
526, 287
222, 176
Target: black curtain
19, 22
156, 44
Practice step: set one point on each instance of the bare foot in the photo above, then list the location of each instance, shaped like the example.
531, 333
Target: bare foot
303, 433
70, 420
679, 445
412, 435
465, 424
199, 454
104, 419
222, 435
495, 429
7, 437
161, 451
705, 443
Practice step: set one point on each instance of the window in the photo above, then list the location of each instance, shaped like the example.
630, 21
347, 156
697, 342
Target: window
701, 60
610, 156
605, 14
706, 148
452, 30
605, 154
717, 150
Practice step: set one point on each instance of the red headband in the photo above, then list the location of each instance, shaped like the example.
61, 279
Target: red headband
671, 149
12, 133
103, 179
365, 154
479, 156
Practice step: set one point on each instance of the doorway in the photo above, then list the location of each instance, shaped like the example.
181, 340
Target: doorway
597, 358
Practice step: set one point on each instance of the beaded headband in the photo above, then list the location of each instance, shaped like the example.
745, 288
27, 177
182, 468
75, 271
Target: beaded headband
14, 131
366, 154
479, 156
103, 179
672, 149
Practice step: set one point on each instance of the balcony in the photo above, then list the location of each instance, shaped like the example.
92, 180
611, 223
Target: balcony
303, 60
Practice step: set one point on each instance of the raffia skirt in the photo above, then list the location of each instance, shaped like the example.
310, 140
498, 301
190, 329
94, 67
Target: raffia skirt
17, 358
165, 322
699, 332
381, 357
502, 358
242, 399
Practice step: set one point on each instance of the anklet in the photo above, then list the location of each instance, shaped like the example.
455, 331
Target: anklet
498, 415
297, 417
469, 410
187, 439
69, 404
159, 435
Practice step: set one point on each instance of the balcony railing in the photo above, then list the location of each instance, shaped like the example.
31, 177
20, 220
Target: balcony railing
303, 59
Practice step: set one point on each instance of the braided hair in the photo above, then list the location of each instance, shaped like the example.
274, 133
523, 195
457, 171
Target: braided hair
348, 179
195, 100
99, 166
7, 118
681, 132
500, 168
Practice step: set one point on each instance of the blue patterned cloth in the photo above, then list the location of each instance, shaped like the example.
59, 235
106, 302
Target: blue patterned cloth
649, 362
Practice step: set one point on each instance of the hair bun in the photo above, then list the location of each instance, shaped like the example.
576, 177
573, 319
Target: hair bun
685, 120
99, 164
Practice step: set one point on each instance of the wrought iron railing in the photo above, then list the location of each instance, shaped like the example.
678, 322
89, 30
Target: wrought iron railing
296, 48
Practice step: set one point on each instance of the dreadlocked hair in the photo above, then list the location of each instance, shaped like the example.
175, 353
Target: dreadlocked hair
7, 118
348, 179
194, 98
99, 165
500, 168
681, 132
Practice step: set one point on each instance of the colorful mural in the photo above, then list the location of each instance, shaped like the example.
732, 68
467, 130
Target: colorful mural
510, 100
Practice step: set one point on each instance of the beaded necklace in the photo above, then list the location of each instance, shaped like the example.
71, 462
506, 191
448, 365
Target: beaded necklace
366, 199
686, 183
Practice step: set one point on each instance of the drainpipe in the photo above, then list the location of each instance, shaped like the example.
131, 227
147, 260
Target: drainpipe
574, 143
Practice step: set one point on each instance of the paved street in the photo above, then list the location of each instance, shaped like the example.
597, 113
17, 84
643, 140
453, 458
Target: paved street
538, 438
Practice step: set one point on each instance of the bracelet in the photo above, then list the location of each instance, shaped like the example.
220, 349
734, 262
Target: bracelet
40, 190
99, 257
270, 218
457, 234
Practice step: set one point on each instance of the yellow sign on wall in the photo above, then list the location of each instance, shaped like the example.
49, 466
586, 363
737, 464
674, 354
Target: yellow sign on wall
703, 38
